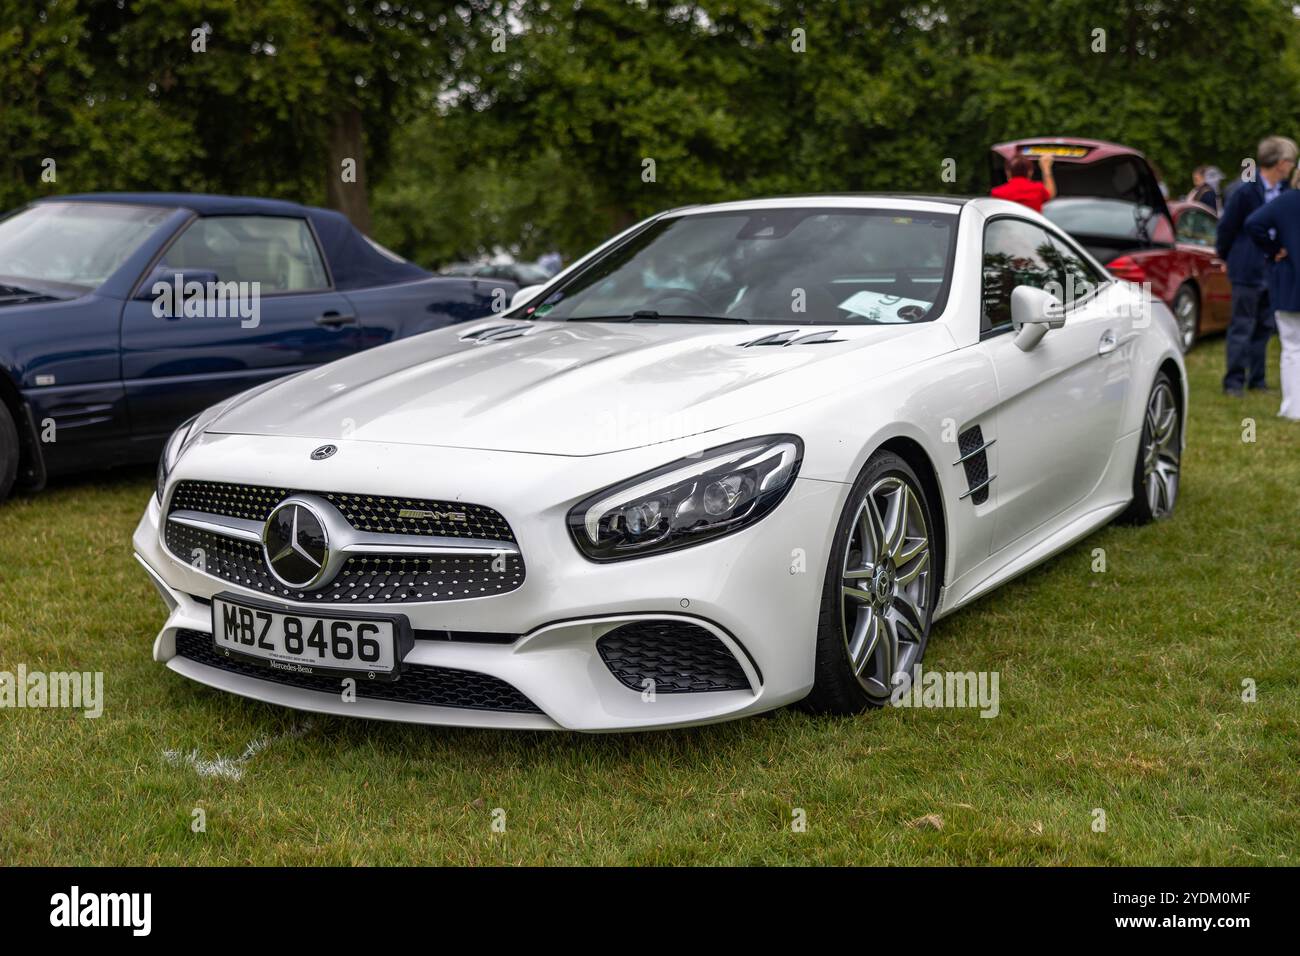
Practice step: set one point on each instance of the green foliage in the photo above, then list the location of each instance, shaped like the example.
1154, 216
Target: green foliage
528, 125
882, 94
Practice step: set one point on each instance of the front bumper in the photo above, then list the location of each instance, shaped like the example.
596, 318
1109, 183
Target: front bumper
757, 591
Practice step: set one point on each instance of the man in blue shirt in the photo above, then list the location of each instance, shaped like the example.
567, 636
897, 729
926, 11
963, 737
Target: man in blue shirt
1252, 313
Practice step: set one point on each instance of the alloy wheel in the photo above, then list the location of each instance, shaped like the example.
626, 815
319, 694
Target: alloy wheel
885, 585
1185, 309
1160, 451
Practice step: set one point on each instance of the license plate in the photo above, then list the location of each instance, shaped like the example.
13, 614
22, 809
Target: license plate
307, 643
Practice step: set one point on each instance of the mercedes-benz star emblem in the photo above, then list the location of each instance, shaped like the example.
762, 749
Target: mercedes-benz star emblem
296, 544
323, 452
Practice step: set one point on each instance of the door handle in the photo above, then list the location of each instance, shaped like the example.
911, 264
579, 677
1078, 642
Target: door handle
1109, 342
333, 319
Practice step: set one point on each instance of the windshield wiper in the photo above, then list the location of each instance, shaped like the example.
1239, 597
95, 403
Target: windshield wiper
650, 315
11, 294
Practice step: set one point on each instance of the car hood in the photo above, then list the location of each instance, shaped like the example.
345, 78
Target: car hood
570, 388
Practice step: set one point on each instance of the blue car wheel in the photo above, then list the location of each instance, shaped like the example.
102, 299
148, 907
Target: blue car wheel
8, 452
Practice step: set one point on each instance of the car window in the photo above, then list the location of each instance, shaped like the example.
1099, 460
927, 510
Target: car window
1196, 227
1096, 217
527, 274
1079, 277
1016, 252
279, 252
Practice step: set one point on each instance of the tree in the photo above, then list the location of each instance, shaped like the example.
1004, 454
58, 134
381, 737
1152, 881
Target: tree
288, 98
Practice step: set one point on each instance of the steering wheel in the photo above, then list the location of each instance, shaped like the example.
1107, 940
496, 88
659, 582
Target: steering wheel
697, 302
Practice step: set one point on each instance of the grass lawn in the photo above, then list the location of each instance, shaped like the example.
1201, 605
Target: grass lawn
1120, 691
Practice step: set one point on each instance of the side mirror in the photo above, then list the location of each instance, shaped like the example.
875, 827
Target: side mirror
524, 294
1033, 312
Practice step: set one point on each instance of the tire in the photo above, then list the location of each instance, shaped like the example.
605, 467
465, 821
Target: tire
9, 452
898, 593
1158, 468
1187, 313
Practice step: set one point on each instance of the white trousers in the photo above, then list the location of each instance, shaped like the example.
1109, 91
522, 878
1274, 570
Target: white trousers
1288, 331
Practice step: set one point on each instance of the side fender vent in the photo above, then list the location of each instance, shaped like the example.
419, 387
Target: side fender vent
975, 461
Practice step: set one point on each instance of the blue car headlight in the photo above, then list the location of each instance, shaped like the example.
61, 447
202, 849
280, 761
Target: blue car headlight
689, 501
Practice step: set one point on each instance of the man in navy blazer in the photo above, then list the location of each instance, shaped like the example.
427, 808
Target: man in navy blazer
1275, 228
1252, 313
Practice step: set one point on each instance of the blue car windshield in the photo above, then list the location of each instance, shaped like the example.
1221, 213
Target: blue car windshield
72, 243
787, 266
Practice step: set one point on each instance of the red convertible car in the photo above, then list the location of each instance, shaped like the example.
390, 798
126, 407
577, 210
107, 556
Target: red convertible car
1109, 199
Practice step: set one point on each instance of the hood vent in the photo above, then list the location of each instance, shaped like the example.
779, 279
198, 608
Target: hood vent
795, 337
496, 333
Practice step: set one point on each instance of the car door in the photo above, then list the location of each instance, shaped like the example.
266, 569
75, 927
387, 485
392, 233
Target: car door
1195, 234
267, 308
1059, 404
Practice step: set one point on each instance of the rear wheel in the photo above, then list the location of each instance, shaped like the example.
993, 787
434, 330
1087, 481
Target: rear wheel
1187, 311
9, 452
880, 590
1159, 461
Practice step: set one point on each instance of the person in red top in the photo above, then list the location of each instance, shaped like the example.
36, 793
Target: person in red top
1020, 188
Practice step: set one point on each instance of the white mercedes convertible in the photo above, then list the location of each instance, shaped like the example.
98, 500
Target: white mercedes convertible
739, 456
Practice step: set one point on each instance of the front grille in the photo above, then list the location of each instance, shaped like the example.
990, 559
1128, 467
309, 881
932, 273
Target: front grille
377, 513
679, 657
392, 579
418, 684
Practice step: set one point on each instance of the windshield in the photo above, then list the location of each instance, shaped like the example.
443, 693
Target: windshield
1098, 217
812, 266
73, 244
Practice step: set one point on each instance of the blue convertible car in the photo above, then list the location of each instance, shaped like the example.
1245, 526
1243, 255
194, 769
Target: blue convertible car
121, 315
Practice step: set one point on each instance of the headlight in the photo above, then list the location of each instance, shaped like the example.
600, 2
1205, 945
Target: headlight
689, 501
170, 453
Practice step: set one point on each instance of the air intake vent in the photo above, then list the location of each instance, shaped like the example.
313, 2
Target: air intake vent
496, 333
976, 464
795, 337
677, 656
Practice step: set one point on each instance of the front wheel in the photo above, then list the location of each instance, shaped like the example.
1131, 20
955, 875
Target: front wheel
880, 590
1159, 461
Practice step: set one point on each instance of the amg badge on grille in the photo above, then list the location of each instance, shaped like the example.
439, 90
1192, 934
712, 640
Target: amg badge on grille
432, 515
